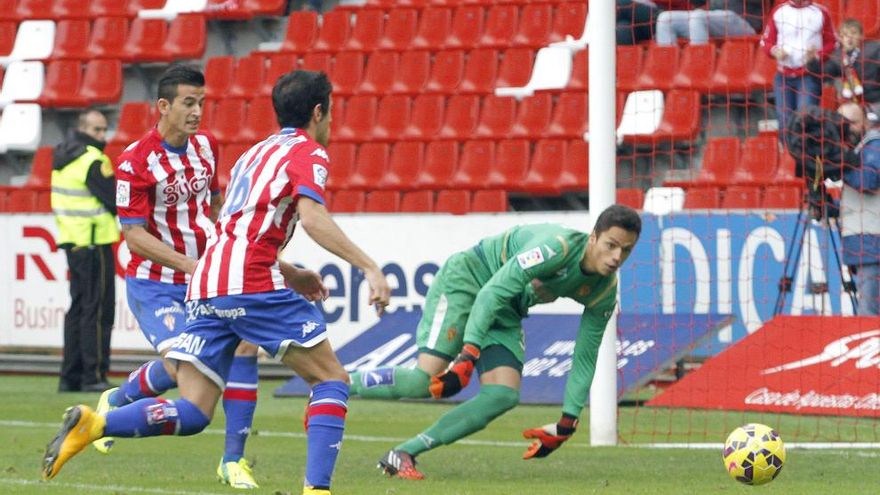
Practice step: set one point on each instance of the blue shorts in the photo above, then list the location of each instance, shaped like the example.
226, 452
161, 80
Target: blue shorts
159, 309
272, 320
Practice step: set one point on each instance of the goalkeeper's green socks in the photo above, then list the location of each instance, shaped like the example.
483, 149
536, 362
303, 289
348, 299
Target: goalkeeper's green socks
391, 383
468, 417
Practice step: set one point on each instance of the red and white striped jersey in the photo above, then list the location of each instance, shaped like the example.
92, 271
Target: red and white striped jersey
259, 215
169, 191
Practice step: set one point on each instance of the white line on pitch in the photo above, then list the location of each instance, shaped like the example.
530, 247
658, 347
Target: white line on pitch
104, 488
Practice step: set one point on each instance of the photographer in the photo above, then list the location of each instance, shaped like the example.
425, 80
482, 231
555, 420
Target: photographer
860, 208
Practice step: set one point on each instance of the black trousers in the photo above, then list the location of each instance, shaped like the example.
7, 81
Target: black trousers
89, 321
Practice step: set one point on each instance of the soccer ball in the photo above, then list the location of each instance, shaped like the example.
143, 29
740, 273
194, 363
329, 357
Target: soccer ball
753, 454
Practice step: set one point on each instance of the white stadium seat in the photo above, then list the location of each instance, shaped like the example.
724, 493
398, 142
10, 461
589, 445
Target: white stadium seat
21, 127
174, 7
23, 82
641, 113
551, 71
33, 41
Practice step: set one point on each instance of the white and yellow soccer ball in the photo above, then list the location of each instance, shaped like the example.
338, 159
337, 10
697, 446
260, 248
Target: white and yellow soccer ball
753, 454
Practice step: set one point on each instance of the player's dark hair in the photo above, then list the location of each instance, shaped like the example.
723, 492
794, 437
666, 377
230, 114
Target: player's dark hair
178, 74
295, 95
618, 216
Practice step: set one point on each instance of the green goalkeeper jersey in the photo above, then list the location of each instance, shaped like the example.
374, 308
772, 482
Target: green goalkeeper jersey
551, 254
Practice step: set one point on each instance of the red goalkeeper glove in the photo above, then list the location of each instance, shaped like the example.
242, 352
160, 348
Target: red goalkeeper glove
457, 375
549, 437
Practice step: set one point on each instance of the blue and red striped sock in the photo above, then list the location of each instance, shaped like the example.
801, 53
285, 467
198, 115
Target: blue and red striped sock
239, 404
155, 416
150, 380
326, 423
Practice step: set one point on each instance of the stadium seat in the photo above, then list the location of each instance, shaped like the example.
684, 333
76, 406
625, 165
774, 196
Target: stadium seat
114, 150
41, 168
370, 165
229, 114
247, 79
552, 71
502, 23
545, 168
489, 202
399, 30
759, 161
317, 62
515, 68
405, 162
739, 197
569, 118
108, 37
867, 12
763, 71
342, 159
441, 161
337, 111
260, 122
107, 8
568, 21
434, 27
34, 9
302, 31
348, 201
720, 159
63, 78
580, 71
392, 117
835, 8
412, 74
229, 154
702, 197
7, 37
268, 8
455, 202
466, 28
360, 118
34, 40
535, 25
476, 164
462, 114
207, 118
380, 73
174, 8
427, 117
382, 202
219, 73
533, 116
136, 6
70, 9
782, 197
335, 28
480, 72
71, 39
661, 65
102, 82
22, 82
447, 72
680, 120
509, 168
21, 200
735, 62
21, 127
367, 30
695, 68
785, 172
347, 73
278, 64
134, 121
632, 197
641, 115
496, 117
629, 66
417, 202
575, 174
146, 41
187, 37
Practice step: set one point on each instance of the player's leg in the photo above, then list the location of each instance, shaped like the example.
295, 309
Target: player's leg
239, 404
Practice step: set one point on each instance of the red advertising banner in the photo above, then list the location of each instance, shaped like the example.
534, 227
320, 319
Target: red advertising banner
827, 365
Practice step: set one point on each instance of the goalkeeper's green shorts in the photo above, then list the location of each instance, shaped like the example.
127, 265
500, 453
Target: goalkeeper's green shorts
448, 305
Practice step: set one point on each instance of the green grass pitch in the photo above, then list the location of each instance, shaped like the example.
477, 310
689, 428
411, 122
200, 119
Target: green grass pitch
488, 463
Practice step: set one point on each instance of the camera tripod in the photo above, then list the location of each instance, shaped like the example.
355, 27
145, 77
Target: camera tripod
796, 244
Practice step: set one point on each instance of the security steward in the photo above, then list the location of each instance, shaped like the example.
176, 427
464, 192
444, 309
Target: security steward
84, 205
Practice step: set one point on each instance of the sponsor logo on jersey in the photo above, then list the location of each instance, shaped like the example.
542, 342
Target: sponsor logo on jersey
320, 174
126, 167
530, 258
123, 193
320, 152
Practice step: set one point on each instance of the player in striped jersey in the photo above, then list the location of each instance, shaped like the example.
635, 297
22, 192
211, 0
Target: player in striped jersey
240, 290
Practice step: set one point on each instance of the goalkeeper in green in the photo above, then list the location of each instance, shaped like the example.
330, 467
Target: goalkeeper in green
473, 319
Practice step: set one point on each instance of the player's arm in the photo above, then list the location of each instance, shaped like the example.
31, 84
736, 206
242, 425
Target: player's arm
306, 282
148, 246
318, 224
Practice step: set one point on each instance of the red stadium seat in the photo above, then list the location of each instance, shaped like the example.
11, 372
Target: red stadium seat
319, 62
510, 165
187, 37
248, 78
62, 82
515, 68
108, 37
427, 117
360, 118
417, 202
34, 9
480, 72
268, 8
533, 116
71, 39
535, 26
545, 168
399, 30
569, 20
735, 62
392, 117
8, 30
496, 117
380, 73
219, 73
229, 154
278, 64
569, 118
502, 23
348, 201
102, 82
382, 202
455, 202
71, 9
720, 158
404, 165
575, 174
680, 121
785, 172
702, 197
107, 8
462, 114
580, 71
475, 166
629, 66
489, 202
146, 41
260, 122
434, 27
135, 6
228, 117
661, 65
367, 30
835, 8
134, 122
696, 67
348, 71
867, 12
7, 11
441, 161
466, 29
447, 72
342, 158
763, 71
302, 31
759, 161
335, 28
41, 168
372, 160
412, 74
741, 197
634, 198
782, 197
